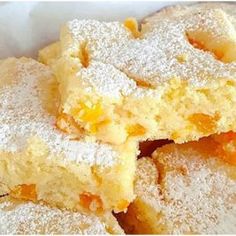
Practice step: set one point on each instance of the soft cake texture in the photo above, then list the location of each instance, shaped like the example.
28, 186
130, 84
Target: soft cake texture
40, 162
18, 217
174, 80
182, 9
185, 189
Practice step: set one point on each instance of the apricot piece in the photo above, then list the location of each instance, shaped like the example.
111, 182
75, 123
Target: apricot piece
92, 113
222, 49
203, 122
132, 25
94, 127
136, 130
25, 191
91, 202
88, 112
84, 55
122, 205
144, 84
196, 43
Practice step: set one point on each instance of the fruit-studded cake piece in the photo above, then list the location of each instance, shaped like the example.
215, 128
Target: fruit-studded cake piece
186, 189
39, 162
174, 79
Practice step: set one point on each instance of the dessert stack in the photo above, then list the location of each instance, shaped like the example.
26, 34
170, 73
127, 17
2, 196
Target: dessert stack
72, 122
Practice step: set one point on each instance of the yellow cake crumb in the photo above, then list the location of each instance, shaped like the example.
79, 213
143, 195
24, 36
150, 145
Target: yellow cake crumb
174, 78
42, 158
25, 191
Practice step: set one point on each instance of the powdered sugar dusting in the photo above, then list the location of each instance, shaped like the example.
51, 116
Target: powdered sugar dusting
196, 195
106, 78
154, 57
203, 200
23, 117
30, 218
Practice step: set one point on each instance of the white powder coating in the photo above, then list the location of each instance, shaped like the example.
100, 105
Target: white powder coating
182, 9
154, 56
110, 82
107, 78
30, 218
23, 117
201, 199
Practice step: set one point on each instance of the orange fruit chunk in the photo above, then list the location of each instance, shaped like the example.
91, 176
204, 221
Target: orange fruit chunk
132, 25
122, 205
136, 130
144, 84
217, 53
91, 202
84, 55
88, 113
203, 122
196, 43
24, 191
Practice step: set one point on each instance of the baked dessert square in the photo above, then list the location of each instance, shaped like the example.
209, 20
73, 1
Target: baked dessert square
174, 79
19, 217
50, 53
39, 162
186, 189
